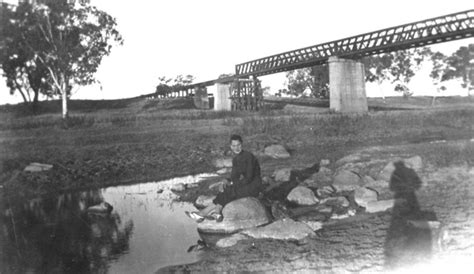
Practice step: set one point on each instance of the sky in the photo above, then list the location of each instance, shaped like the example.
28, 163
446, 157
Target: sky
207, 38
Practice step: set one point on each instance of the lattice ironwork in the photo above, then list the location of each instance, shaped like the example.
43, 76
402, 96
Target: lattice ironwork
246, 94
440, 29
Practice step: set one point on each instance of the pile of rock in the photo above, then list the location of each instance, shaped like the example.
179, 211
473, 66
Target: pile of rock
356, 184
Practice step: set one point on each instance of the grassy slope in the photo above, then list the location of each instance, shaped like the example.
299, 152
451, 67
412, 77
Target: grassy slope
128, 141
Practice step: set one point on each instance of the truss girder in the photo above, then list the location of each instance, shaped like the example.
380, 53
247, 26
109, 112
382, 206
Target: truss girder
436, 30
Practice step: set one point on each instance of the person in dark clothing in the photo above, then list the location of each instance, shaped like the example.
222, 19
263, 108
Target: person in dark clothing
244, 181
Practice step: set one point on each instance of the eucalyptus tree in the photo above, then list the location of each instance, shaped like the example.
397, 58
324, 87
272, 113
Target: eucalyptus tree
64, 41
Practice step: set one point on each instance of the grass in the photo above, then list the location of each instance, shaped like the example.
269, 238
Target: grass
107, 143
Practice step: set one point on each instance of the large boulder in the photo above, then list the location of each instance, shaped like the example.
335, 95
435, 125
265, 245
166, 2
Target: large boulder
276, 152
346, 180
285, 229
301, 195
239, 214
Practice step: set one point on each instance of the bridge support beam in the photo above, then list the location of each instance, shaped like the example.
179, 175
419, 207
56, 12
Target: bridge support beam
222, 99
347, 86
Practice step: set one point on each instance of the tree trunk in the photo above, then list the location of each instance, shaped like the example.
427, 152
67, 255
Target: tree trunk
64, 96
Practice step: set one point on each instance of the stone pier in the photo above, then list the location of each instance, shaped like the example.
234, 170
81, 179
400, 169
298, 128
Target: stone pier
347, 86
222, 99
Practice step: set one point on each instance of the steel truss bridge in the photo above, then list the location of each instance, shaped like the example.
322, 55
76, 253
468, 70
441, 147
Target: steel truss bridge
426, 32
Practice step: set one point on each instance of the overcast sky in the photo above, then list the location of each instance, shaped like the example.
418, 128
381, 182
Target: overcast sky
206, 38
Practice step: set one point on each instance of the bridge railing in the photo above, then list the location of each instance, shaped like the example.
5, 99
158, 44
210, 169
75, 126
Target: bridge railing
444, 28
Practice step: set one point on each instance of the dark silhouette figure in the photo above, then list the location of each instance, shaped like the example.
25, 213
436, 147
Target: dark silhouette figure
407, 243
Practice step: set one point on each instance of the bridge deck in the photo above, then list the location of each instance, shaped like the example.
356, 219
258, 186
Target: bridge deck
440, 29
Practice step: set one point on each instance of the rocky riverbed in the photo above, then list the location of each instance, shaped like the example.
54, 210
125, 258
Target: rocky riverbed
374, 210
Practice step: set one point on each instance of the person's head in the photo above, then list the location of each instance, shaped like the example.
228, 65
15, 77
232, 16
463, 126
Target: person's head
236, 143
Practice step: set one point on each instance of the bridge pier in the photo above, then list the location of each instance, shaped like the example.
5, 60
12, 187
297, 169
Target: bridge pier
222, 99
347, 85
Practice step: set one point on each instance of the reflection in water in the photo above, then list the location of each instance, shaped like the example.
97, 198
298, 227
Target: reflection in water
145, 231
406, 243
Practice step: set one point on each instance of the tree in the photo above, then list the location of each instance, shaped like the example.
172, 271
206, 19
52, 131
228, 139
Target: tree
398, 67
316, 79
461, 65
438, 73
167, 86
66, 40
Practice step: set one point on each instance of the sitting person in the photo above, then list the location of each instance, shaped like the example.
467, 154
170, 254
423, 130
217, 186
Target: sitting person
245, 181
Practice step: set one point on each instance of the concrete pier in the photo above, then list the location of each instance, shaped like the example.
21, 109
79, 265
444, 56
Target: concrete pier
347, 86
222, 99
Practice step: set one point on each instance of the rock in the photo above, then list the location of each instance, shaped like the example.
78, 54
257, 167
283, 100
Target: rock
301, 195
276, 152
318, 179
382, 187
204, 201
346, 181
339, 201
386, 173
415, 163
239, 214
314, 225
102, 208
282, 175
279, 211
351, 212
324, 162
231, 240
312, 216
178, 187
348, 159
363, 196
378, 206
285, 229
223, 162
37, 167
223, 171
325, 191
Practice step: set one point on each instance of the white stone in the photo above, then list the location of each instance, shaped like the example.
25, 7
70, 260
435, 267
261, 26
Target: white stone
239, 214
325, 191
301, 195
363, 196
222, 171
324, 162
276, 152
282, 175
37, 167
285, 229
378, 206
415, 163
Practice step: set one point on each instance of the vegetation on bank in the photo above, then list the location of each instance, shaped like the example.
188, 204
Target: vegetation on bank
127, 142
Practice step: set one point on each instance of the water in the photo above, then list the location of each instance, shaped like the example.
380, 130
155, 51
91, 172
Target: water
146, 230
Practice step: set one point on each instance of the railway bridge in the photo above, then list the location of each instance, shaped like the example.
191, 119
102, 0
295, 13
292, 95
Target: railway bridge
346, 72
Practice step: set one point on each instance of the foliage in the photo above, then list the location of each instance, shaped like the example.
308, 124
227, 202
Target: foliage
398, 67
60, 43
167, 86
461, 65
315, 79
